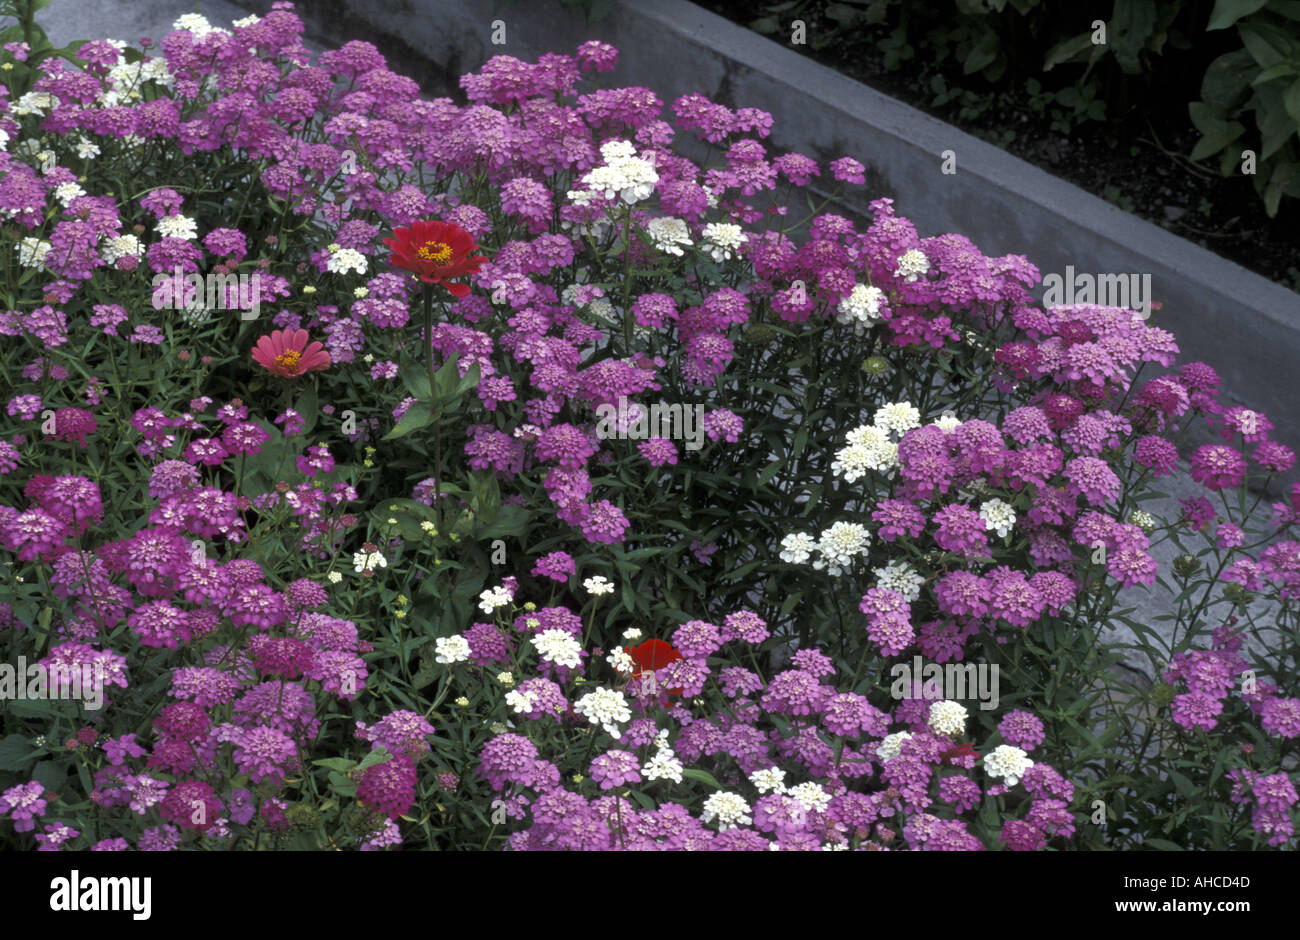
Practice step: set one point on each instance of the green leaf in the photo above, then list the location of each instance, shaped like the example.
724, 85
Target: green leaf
842, 13
16, 752
486, 495
1281, 70
1226, 79
983, 54
1275, 124
342, 785
415, 379
341, 764
1227, 12
1266, 44
417, 416
1182, 784
1291, 100
703, 776
377, 756
800, 442
51, 774
769, 471
1065, 50
33, 708
989, 813
445, 379
1217, 132
511, 521
1163, 845
308, 408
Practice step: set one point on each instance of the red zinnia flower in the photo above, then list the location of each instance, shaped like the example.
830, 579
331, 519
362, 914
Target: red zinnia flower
650, 656
437, 252
288, 353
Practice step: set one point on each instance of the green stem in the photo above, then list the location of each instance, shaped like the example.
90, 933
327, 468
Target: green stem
426, 298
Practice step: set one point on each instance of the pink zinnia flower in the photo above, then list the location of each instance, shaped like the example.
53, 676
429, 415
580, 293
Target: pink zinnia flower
288, 354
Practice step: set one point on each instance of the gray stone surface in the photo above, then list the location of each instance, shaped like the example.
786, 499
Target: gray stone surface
1153, 602
65, 21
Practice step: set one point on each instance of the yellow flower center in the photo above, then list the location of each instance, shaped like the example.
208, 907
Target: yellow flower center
288, 360
437, 252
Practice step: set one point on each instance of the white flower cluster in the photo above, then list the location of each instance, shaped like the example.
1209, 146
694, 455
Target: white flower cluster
840, 544
177, 226
363, 561
898, 417
723, 239
493, 598
889, 747
66, 192
868, 448
597, 585
810, 796
32, 252
901, 577
34, 102
796, 547
606, 708
1143, 520
451, 649
197, 25
948, 717
861, 307
729, 809
521, 702
558, 647
664, 765
872, 446
669, 235
912, 264
771, 780
1007, 762
342, 260
121, 246
998, 516
623, 176
123, 81
620, 660
837, 547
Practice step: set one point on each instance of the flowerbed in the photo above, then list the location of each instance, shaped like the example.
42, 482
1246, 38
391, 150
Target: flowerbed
384, 472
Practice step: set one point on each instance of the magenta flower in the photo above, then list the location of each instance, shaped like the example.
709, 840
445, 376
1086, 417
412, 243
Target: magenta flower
557, 566
23, 804
1218, 467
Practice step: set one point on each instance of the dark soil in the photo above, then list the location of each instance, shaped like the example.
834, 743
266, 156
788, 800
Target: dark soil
1135, 160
